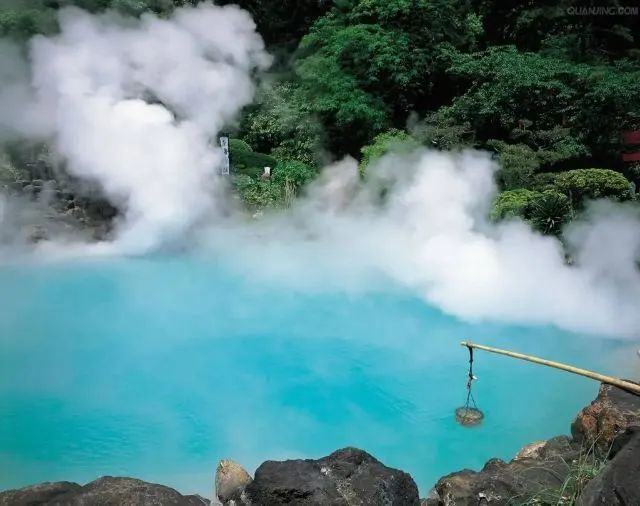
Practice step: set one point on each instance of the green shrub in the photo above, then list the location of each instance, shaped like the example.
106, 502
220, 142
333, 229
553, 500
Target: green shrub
581, 184
295, 172
546, 211
513, 204
518, 164
549, 211
257, 194
251, 163
238, 145
544, 181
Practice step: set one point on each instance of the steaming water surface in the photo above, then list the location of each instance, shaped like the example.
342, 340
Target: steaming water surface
158, 367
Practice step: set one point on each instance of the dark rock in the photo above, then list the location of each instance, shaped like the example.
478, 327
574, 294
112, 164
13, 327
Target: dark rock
96, 208
622, 439
105, 491
618, 484
42, 493
610, 413
346, 477
501, 483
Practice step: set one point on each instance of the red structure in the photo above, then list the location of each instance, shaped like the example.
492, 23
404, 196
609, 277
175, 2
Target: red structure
630, 139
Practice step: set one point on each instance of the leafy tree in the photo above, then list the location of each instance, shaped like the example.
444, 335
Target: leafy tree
508, 88
281, 123
283, 22
552, 27
335, 97
610, 104
366, 64
440, 131
565, 108
22, 23
22, 19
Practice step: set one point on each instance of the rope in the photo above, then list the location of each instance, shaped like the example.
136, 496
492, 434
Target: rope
470, 380
470, 398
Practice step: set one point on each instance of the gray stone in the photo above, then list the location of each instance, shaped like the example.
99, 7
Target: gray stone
231, 481
346, 477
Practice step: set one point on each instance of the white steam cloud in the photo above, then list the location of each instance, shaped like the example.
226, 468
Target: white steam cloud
136, 106
431, 234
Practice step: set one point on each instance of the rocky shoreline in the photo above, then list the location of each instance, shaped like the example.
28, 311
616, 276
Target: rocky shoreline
45, 208
599, 464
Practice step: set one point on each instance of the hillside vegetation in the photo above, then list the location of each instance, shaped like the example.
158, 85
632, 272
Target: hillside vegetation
548, 90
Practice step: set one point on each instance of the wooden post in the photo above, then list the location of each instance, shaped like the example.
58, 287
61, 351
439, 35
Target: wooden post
626, 385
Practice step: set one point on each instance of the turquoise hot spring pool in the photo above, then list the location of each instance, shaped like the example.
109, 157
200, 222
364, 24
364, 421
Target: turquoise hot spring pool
159, 367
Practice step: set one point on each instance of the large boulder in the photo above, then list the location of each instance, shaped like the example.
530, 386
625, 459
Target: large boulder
347, 477
610, 413
231, 482
105, 491
533, 471
618, 484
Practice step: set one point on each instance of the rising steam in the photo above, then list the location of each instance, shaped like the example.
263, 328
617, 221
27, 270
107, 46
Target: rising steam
428, 230
135, 106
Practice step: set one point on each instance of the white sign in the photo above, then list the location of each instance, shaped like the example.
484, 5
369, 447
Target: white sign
224, 144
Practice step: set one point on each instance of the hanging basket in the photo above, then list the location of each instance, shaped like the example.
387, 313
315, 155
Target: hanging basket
469, 417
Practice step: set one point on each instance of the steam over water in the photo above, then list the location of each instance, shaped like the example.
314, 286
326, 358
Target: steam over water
157, 368
333, 323
135, 106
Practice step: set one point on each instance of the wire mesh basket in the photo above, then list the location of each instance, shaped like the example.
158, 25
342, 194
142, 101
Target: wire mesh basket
468, 416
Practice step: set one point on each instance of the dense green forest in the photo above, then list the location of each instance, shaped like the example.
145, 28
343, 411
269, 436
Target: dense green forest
546, 88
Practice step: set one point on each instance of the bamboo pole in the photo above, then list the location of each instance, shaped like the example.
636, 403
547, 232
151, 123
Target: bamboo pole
626, 385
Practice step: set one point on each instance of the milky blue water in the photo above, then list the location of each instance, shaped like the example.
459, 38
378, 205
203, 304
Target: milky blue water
157, 368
